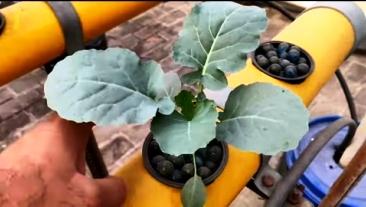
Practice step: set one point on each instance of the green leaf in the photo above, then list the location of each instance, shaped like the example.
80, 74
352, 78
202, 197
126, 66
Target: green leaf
216, 38
185, 101
176, 135
110, 87
263, 118
194, 192
191, 78
172, 84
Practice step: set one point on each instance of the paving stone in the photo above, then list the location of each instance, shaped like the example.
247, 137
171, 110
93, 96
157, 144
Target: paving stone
128, 28
39, 109
177, 27
168, 34
104, 133
167, 7
40, 90
24, 83
361, 97
5, 95
144, 33
15, 122
129, 42
145, 19
29, 98
10, 108
156, 54
148, 31
276, 23
172, 17
136, 133
359, 56
157, 12
19, 103
115, 149
356, 72
331, 93
346, 64
179, 5
272, 30
186, 6
361, 111
148, 44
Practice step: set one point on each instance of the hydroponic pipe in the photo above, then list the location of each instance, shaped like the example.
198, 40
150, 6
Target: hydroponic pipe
32, 35
328, 31
341, 79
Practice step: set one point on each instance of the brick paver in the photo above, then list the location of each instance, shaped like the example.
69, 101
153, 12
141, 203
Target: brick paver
151, 36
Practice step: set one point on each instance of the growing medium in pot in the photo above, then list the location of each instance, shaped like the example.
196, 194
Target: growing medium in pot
284, 61
115, 87
176, 170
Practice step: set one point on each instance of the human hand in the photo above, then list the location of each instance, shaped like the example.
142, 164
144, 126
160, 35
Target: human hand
46, 167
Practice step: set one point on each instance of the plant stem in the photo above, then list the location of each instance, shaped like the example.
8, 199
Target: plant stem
194, 165
219, 107
200, 88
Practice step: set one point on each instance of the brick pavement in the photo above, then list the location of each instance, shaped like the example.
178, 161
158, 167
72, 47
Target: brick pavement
151, 36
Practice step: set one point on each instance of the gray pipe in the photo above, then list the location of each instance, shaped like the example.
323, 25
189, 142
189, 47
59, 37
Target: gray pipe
289, 181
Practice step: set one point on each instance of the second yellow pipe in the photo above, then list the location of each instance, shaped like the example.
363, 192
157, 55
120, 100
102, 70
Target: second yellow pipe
32, 35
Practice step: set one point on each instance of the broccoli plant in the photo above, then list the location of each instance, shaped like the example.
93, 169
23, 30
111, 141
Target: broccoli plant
115, 87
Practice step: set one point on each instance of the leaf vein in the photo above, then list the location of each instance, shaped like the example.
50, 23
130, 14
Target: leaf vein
253, 117
215, 39
209, 26
199, 40
184, 53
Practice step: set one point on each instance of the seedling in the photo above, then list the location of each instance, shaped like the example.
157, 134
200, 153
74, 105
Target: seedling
115, 87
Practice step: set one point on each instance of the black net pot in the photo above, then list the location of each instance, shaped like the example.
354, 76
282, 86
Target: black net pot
292, 65
209, 160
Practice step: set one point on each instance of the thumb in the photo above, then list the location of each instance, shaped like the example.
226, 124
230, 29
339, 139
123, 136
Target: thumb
112, 191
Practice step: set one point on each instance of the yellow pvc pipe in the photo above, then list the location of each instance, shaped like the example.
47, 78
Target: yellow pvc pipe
325, 34
144, 190
33, 36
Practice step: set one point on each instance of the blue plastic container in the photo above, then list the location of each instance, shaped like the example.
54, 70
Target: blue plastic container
323, 171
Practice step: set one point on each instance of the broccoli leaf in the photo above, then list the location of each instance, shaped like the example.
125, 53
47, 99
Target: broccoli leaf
176, 135
194, 192
215, 39
263, 118
110, 87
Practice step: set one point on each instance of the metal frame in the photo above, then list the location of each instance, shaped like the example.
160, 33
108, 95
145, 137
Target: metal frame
277, 188
347, 180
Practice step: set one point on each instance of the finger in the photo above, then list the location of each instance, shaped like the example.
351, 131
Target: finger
61, 140
113, 191
81, 164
